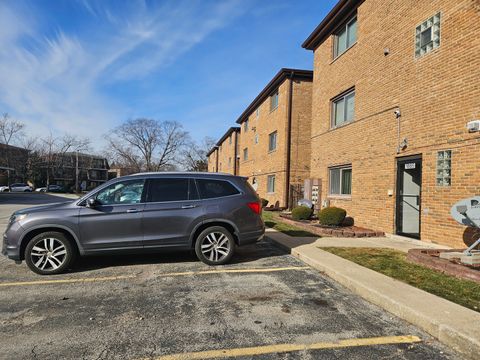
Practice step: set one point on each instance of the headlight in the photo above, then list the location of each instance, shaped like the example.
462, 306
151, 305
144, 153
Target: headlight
17, 217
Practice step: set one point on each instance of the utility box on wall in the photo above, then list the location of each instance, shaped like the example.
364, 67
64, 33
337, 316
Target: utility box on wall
313, 192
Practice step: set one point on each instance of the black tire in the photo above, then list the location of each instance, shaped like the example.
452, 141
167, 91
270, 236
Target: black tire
62, 256
205, 256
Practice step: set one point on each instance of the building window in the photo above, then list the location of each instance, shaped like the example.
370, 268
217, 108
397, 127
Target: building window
245, 126
345, 37
245, 154
274, 100
272, 141
341, 180
256, 138
427, 36
257, 112
229, 162
343, 108
230, 139
444, 168
270, 183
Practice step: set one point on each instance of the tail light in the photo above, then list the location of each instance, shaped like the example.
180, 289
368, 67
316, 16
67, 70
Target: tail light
255, 207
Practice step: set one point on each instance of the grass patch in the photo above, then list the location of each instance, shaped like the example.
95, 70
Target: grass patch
273, 220
394, 263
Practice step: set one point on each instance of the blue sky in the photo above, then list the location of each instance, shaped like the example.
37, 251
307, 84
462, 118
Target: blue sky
84, 66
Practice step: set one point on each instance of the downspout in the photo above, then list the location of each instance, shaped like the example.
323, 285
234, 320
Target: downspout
235, 154
289, 141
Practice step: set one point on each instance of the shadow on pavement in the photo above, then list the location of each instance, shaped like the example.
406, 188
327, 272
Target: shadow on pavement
250, 253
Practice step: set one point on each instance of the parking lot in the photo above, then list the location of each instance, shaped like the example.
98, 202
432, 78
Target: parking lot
264, 305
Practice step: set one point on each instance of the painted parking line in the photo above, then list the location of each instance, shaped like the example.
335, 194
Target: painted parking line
165, 275
286, 348
67, 281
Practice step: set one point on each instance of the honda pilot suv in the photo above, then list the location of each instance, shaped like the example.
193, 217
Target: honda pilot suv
210, 213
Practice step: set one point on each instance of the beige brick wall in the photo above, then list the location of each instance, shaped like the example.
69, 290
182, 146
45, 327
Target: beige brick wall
212, 161
226, 154
437, 94
261, 163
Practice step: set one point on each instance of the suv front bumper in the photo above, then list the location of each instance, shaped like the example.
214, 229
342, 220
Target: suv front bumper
11, 241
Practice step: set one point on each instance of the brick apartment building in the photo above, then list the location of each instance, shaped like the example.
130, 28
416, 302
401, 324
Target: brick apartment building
13, 164
212, 157
395, 83
275, 136
223, 157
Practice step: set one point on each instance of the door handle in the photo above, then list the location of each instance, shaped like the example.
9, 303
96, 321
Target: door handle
132, 211
188, 206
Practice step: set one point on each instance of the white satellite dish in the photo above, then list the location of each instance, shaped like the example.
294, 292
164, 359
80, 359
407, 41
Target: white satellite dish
467, 212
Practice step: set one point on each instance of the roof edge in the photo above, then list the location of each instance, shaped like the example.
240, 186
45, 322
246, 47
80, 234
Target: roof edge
283, 74
227, 134
329, 22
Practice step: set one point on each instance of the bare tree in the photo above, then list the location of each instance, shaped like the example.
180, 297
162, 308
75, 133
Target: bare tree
146, 144
194, 156
10, 129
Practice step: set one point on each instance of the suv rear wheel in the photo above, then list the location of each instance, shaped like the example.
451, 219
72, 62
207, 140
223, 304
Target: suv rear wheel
215, 245
49, 253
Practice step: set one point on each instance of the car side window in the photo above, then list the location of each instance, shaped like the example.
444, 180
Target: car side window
210, 188
125, 192
171, 189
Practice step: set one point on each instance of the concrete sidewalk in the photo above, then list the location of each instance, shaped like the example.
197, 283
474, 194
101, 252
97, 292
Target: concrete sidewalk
454, 325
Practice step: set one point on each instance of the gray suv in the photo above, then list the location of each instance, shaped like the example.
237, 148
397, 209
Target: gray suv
211, 213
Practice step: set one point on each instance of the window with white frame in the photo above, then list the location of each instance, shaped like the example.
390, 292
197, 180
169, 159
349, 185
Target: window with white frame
343, 108
245, 154
257, 112
256, 138
427, 35
270, 183
274, 100
340, 180
229, 162
230, 139
345, 37
245, 126
272, 141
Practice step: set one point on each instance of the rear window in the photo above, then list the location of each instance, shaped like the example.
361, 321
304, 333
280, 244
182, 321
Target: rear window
171, 189
210, 188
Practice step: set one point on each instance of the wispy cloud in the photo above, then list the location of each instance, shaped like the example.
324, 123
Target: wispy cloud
54, 82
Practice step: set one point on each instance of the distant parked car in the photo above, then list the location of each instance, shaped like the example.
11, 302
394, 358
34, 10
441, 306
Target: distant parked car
50, 188
20, 187
4, 188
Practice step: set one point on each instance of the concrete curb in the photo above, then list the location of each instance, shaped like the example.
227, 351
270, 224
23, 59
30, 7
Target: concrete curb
452, 324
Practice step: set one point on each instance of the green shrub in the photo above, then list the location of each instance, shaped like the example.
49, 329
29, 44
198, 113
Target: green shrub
331, 216
264, 203
301, 213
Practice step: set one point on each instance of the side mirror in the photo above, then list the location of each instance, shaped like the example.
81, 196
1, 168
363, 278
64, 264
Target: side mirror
91, 203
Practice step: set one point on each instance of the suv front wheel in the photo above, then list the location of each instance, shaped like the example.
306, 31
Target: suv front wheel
49, 253
215, 246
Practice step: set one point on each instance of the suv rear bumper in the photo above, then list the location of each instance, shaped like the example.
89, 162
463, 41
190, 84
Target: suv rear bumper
251, 237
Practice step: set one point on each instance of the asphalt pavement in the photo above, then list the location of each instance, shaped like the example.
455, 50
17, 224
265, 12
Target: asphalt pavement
266, 304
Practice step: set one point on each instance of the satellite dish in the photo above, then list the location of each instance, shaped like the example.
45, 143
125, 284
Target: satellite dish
467, 212
305, 202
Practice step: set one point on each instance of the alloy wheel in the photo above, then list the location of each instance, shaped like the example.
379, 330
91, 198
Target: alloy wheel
48, 254
215, 246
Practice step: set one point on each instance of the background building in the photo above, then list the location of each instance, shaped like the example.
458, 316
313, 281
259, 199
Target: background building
395, 85
226, 152
13, 164
275, 136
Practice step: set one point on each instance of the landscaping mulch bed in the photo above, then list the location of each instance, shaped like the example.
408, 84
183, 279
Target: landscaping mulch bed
430, 258
341, 231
